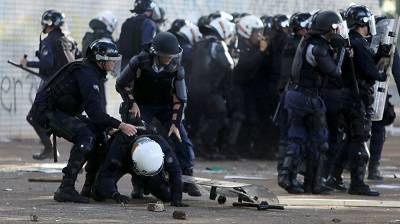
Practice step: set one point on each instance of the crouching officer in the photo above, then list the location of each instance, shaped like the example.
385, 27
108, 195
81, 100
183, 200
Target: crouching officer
152, 85
59, 104
149, 158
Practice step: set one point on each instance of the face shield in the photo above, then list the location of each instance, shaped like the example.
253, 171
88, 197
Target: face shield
341, 29
371, 24
112, 64
284, 24
167, 62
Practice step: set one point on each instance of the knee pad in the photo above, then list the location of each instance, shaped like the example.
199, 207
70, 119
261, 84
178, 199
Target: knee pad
85, 143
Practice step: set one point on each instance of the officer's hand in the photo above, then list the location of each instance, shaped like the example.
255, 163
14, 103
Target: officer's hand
263, 44
383, 50
175, 130
350, 52
119, 198
127, 129
382, 77
135, 110
179, 204
23, 61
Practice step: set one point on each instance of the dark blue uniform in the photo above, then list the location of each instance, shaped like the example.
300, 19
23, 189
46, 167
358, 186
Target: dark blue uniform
250, 100
208, 88
59, 105
357, 115
135, 32
52, 56
378, 131
153, 92
308, 135
119, 162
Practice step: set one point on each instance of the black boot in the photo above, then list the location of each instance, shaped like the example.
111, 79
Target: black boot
287, 175
357, 186
319, 186
373, 171
66, 192
190, 188
45, 154
336, 183
137, 192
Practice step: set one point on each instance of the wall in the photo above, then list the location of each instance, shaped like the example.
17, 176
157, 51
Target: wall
20, 29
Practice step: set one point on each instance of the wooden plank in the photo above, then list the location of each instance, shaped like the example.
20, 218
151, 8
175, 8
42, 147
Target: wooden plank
292, 201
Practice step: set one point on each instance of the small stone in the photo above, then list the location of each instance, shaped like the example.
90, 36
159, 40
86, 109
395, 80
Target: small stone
179, 214
34, 218
7, 189
336, 220
156, 207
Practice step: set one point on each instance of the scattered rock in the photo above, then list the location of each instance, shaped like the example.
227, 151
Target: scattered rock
34, 218
179, 214
156, 207
336, 220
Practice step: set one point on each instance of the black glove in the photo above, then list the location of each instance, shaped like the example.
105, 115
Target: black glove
382, 77
383, 50
179, 204
119, 198
337, 41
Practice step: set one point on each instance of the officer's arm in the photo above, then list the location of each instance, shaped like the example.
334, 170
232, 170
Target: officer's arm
364, 62
222, 56
89, 88
172, 167
149, 29
396, 70
46, 60
125, 82
179, 97
326, 63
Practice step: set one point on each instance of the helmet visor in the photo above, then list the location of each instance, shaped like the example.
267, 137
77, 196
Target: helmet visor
341, 29
113, 64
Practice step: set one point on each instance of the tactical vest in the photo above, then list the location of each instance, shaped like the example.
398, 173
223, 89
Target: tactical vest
207, 74
152, 87
130, 41
303, 73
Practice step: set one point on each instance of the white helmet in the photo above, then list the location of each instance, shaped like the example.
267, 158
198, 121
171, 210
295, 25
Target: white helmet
108, 18
147, 157
224, 27
247, 24
191, 32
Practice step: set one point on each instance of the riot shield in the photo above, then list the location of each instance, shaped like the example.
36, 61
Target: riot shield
386, 33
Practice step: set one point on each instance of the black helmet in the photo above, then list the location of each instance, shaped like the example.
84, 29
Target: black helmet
359, 15
267, 20
142, 6
324, 22
203, 21
52, 18
279, 22
165, 44
102, 50
177, 25
299, 21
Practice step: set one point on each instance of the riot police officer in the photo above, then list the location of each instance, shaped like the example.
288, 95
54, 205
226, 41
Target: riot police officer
249, 91
207, 84
358, 86
148, 157
307, 136
103, 26
59, 105
137, 30
188, 34
299, 24
153, 85
55, 50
